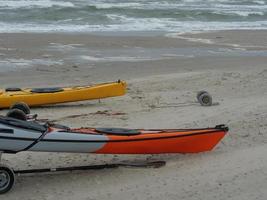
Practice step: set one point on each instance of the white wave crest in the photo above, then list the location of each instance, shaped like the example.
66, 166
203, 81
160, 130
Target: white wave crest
133, 24
240, 13
14, 4
117, 5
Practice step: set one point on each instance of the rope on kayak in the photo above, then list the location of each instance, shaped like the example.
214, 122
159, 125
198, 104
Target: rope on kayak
37, 140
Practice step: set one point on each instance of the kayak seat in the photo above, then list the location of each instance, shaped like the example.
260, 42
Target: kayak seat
47, 90
13, 89
118, 131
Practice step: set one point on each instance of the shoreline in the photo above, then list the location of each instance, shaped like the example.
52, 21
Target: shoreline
47, 49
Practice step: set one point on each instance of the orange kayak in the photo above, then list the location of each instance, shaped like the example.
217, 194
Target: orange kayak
17, 135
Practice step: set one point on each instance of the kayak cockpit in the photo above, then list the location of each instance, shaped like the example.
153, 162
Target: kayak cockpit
31, 125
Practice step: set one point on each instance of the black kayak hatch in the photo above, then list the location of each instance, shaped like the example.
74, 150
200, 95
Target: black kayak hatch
47, 90
118, 131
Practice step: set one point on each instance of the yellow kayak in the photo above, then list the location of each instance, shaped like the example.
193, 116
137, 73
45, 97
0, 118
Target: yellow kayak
43, 96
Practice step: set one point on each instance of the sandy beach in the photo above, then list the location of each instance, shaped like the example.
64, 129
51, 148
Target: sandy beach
164, 73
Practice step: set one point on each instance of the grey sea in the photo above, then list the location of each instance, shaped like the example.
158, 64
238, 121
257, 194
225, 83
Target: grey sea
131, 15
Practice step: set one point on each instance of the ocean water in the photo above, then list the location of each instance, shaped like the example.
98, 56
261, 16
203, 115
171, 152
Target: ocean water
131, 15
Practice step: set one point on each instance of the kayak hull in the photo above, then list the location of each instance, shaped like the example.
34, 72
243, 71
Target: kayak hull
178, 143
16, 138
72, 94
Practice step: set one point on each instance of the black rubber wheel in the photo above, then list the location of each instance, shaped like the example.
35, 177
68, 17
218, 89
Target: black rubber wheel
7, 179
21, 106
200, 93
205, 99
17, 114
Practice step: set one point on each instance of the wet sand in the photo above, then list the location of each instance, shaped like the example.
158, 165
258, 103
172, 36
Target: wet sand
160, 71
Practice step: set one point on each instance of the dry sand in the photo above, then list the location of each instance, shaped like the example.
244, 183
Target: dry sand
231, 65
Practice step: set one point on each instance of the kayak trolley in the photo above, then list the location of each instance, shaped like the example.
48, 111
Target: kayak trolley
7, 177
